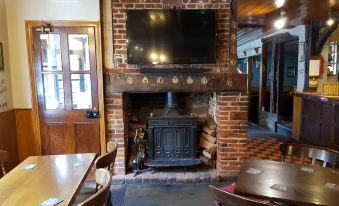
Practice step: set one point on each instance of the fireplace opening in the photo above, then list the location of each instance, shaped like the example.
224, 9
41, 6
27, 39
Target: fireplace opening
169, 125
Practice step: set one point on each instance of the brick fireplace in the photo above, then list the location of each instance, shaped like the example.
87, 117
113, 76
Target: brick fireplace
229, 108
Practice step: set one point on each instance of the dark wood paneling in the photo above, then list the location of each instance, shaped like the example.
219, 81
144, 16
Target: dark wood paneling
86, 138
320, 123
297, 109
27, 134
8, 140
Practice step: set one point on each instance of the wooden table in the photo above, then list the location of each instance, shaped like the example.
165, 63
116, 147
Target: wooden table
303, 187
53, 176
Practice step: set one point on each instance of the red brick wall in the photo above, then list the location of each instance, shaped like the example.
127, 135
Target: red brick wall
120, 37
231, 119
115, 129
231, 108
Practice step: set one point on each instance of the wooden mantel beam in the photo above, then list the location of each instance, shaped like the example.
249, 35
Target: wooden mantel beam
175, 82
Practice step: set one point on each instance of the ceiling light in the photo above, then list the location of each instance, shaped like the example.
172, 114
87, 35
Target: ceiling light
162, 58
329, 21
154, 56
279, 3
281, 22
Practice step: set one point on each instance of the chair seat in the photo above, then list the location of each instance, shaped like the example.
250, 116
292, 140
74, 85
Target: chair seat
231, 187
89, 186
82, 197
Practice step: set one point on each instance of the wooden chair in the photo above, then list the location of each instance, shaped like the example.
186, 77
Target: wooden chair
103, 178
107, 160
3, 159
231, 199
313, 152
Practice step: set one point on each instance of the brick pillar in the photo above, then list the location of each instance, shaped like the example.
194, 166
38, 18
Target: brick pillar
115, 128
231, 117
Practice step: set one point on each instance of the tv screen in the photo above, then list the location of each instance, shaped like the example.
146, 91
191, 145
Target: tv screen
171, 36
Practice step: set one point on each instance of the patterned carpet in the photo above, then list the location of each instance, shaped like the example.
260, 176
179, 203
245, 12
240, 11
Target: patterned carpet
264, 148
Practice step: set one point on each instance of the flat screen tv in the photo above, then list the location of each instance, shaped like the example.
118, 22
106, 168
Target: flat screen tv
171, 36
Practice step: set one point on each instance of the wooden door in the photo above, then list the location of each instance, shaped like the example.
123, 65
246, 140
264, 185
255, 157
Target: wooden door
67, 87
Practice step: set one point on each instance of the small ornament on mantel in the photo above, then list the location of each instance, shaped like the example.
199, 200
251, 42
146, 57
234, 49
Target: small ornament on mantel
172, 4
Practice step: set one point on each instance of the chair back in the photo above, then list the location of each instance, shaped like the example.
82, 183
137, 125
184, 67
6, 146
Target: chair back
3, 159
111, 146
230, 199
103, 178
315, 153
107, 160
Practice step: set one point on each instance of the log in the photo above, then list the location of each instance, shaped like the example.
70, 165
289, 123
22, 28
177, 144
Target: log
208, 162
211, 124
210, 153
133, 118
209, 138
205, 144
209, 131
142, 135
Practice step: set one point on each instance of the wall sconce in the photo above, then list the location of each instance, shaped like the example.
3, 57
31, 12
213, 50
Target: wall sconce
245, 53
330, 20
45, 28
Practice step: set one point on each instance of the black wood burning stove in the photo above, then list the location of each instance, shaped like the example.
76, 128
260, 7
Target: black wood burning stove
172, 137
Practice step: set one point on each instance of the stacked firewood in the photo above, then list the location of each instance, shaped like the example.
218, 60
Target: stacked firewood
208, 143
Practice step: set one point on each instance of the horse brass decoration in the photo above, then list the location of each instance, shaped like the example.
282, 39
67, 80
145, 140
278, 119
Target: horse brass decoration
233, 37
175, 80
145, 80
234, 25
204, 80
233, 50
160, 80
229, 82
129, 80
233, 62
190, 80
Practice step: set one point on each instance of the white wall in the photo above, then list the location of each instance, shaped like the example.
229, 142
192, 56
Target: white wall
18, 11
5, 75
296, 31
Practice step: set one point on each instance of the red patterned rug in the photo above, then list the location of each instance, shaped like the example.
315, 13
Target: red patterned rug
269, 149
264, 148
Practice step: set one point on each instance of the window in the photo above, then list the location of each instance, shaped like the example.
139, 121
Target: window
333, 57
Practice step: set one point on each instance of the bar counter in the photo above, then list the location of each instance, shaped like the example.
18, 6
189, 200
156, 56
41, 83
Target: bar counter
318, 97
316, 119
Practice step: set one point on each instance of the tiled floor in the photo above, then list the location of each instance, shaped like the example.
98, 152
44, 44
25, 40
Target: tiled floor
264, 148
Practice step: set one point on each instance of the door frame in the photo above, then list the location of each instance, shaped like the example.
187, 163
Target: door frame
30, 51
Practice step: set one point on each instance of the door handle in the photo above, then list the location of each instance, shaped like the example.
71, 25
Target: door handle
92, 114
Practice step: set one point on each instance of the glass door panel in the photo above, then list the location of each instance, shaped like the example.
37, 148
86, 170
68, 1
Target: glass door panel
78, 52
53, 91
50, 52
81, 91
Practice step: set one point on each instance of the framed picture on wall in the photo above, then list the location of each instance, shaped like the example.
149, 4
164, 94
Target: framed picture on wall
291, 71
1, 58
